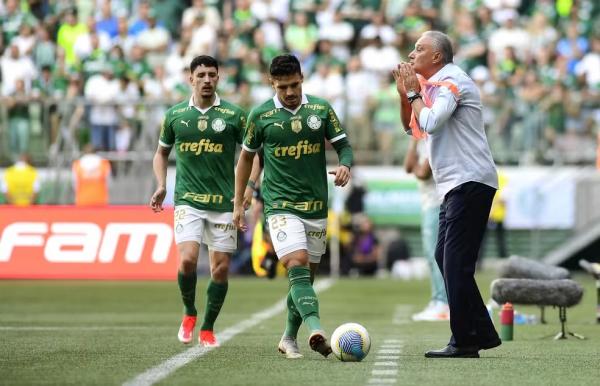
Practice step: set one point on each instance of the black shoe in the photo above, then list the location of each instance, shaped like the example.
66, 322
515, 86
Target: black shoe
454, 352
490, 344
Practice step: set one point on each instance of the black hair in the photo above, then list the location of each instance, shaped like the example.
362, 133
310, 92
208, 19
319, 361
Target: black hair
284, 65
203, 60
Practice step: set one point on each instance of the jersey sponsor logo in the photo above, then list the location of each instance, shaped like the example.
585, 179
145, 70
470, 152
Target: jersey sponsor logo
202, 146
203, 198
162, 129
314, 122
296, 123
86, 242
202, 123
303, 206
296, 151
279, 124
186, 123
218, 125
317, 234
180, 110
268, 113
314, 106
334, 121
225, 227
223, 110
250, 132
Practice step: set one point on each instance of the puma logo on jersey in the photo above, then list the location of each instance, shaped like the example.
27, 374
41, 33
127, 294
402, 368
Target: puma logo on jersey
187, 124
279, 124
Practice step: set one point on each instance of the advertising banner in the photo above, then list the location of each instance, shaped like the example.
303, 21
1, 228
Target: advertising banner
67, 242
393, 202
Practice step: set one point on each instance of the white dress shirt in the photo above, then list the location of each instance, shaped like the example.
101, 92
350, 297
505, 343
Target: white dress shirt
457, 145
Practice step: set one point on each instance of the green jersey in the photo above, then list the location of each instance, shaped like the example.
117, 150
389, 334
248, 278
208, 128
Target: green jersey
295, 170
205, 143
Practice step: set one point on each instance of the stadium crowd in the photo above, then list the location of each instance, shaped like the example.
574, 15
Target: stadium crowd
537, 64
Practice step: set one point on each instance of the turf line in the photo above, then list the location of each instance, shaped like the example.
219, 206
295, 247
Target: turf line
382, 374
166, 368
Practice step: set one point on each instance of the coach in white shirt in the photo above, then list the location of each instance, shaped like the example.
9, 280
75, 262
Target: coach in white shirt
448, 110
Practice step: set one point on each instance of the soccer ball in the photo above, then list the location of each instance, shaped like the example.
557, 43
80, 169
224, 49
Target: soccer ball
350, 342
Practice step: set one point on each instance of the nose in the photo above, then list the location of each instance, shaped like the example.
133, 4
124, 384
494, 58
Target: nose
411, 55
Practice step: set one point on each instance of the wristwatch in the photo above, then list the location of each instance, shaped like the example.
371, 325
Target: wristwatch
411, 95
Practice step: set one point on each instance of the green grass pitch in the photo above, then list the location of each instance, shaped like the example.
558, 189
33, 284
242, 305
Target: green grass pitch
107, 333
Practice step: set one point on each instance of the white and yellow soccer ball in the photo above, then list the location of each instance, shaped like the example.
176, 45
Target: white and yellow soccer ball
350, 342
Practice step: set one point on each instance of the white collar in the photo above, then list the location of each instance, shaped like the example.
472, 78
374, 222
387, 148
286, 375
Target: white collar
279, 105
440, 73
217, 102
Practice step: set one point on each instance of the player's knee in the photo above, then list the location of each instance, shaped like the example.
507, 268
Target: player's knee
295, 260
219, 271
187, 266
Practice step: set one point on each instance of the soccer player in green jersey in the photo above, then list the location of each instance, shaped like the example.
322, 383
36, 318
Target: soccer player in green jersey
204, 132
292, 128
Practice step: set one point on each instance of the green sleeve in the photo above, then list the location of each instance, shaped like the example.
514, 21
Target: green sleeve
253, 135
344, 151
167, 136
241, 127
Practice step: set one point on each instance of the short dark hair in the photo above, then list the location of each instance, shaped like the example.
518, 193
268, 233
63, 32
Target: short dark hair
284, 65
203, 60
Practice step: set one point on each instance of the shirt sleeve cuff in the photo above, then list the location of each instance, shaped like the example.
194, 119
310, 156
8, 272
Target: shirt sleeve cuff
250, 149
335, 139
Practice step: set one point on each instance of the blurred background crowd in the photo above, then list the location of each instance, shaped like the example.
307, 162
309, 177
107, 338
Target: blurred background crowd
104, 71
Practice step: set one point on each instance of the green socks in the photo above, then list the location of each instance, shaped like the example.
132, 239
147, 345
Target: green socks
187, 286
294, 320
215, 296
304, 297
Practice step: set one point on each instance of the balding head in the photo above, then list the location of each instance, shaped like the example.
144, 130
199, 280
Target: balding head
441, 43
432, 51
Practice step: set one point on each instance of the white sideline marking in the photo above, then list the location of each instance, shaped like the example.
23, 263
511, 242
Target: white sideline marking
384, 372
385, 364
166, 368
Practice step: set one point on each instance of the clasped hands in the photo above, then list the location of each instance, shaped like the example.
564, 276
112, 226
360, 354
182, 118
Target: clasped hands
406, 79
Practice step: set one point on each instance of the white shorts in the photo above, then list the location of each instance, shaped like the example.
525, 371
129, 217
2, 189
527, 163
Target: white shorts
291, 233
215, 229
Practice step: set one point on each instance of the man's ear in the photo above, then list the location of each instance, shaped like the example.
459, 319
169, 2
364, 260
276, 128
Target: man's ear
437, 57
